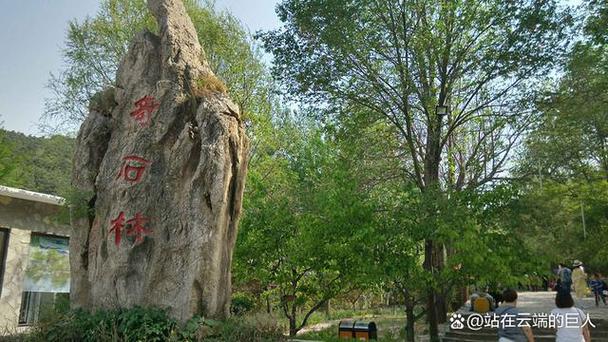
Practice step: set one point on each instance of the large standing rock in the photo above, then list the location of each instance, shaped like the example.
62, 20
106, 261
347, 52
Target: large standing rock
164, 154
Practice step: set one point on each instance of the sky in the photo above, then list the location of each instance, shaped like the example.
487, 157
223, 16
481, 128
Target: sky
33, 35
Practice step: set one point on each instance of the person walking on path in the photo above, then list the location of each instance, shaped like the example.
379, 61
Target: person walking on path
579, 280
598, 286
564, 283
570, 321
514, 332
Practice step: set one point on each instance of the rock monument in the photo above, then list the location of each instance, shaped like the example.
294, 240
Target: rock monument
164, 156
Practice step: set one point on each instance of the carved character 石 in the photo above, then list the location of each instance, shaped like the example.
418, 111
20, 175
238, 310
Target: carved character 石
133, 168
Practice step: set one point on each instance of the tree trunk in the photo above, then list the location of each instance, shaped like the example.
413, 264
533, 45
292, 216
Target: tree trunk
442, 307
328, 309
293, 330
268, 307
410, 319
433, 251
441, 294
431, 313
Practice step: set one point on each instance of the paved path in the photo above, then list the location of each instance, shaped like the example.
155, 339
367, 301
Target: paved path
530, 302
544, 302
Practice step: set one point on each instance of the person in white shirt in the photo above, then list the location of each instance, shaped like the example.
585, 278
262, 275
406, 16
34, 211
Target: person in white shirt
571, 322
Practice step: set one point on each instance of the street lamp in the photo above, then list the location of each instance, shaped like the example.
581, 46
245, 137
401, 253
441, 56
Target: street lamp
441, 110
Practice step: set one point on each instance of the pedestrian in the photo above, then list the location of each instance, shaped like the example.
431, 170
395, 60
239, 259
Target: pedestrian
579, 280
599, 287
571, 322
564, 283
509, 313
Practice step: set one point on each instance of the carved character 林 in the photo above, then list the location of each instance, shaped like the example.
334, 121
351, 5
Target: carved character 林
136, 228
118, 224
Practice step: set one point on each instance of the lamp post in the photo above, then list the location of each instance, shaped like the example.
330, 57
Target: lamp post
441, 111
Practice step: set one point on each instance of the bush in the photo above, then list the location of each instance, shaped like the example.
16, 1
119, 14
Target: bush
241, 303
145, 324
254, 328
136, 324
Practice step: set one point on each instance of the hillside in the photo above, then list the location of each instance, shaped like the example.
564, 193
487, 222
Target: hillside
41, 164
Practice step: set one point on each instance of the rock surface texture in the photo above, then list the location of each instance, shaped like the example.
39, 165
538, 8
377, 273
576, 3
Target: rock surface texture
164, 157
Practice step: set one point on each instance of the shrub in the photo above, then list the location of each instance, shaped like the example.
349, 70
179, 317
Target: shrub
145, 324
136, 324
253, 328
241, 303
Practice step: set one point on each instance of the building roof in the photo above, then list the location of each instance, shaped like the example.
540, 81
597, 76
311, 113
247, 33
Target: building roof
31, 195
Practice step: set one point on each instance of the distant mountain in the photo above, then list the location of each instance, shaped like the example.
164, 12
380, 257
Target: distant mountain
42, 164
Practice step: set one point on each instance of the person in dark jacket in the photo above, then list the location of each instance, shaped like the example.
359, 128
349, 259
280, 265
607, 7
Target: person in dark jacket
598, 286
565, 279
511, 333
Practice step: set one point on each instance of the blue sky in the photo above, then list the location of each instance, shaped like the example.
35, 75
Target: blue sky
33, 34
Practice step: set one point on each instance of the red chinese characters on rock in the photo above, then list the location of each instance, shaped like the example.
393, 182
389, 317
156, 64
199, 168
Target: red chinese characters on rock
117, 226
144, 108
133, 168
137, 228
134, 227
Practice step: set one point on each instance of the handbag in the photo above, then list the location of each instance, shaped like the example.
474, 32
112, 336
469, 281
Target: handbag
605, 292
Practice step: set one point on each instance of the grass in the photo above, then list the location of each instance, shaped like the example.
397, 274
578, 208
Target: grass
208, 83
390, 323
320, 317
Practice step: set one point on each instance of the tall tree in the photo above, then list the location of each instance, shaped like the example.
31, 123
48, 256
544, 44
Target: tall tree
399, 60
566, 156
305, 223
564, 221
571, 139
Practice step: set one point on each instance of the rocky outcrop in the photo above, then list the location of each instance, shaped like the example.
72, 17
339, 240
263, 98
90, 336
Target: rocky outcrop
164, 157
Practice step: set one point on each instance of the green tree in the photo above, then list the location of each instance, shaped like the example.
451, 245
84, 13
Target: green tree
94, 48
43, 164
571, 139
397, 61
305, 224
40, 164
9, 163
565, 161
564, 221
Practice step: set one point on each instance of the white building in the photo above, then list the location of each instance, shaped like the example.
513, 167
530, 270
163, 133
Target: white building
34, 256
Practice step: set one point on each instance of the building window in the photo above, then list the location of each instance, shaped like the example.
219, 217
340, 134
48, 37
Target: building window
47, 278
3, 250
